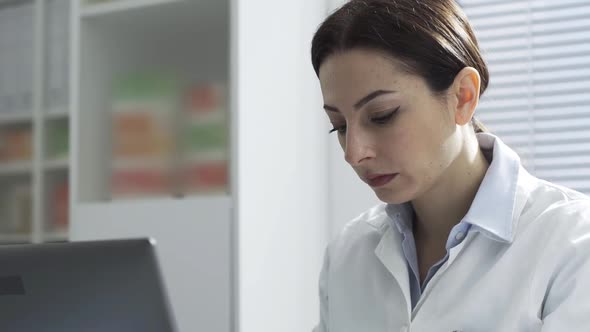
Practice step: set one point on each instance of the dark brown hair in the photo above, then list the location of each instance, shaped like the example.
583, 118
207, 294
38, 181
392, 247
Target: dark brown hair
432, 38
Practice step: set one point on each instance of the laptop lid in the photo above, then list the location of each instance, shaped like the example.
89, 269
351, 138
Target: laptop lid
92, 286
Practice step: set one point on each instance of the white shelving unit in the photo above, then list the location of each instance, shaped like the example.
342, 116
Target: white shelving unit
61, 164
15, 118
15, 168
55, 236
115, 6
31, 34
57, 113
15, 238
246, 259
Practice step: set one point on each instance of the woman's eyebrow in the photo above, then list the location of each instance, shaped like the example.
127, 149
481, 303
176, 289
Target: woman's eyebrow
363, 101
370, 97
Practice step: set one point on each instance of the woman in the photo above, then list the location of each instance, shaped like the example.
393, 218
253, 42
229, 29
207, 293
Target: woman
467, 239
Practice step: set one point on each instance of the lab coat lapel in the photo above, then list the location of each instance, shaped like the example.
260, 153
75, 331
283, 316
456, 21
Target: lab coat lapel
389, 251
453, 253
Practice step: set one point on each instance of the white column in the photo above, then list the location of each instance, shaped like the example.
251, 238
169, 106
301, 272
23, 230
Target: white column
282, 189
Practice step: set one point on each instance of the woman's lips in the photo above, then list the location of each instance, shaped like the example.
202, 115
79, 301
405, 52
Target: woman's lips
380, 180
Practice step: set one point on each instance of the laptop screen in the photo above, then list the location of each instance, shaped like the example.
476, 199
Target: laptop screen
112, 286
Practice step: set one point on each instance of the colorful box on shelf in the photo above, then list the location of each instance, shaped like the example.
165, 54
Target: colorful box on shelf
206, 99
205, 140
144, 114
58, 140
205, 120
205, 177
141, 135
15, 144
60, 203
137, 183
138, 178
205, 137
144, 107
159, 150
15, 209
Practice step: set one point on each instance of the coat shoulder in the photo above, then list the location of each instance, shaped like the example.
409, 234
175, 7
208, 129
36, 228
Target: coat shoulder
364, 231
372, 220
558, 210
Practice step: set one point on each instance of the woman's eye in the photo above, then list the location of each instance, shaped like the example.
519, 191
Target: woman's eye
384, 118
340, 129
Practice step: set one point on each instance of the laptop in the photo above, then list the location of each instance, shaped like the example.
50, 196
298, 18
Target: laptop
94, 286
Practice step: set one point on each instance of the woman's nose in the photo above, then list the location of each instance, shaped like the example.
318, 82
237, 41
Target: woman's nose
357, 148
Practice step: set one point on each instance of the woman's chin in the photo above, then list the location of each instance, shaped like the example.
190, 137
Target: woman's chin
389, 196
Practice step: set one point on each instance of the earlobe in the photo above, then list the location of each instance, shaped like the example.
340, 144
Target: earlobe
467, 84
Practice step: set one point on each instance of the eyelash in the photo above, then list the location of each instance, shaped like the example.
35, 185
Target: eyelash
378, 120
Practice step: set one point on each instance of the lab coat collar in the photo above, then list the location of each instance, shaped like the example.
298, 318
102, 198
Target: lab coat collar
493, 211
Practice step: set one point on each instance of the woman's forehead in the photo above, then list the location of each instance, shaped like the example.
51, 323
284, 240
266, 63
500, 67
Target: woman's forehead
358, 66
360, 62
353, 73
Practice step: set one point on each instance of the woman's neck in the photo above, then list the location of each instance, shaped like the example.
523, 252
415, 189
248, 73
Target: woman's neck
440, 209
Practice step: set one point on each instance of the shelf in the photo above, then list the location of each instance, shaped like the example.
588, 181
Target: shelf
152, 20
16, 118
15, 168
14, 238
205, 118
57, 113
57, 236
141, 163
215, 155
27, 117
186, 41
116, 6
56, 164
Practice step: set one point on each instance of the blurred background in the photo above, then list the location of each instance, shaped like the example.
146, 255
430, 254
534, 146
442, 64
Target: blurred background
199, 123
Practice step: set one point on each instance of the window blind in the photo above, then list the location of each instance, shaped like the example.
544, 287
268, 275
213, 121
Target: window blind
538, 100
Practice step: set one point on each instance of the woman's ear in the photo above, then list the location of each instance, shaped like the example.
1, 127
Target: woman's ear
466, 94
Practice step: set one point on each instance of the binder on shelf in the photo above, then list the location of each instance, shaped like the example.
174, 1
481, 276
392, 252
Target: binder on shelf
57, 51
15, 209
26, 57
22, 208
17, 66
16, 58
7, 58
4, 49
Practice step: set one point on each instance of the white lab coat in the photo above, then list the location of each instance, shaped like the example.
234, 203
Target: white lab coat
538, 281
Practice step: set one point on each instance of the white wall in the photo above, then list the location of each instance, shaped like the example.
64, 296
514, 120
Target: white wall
282, 188
334, 4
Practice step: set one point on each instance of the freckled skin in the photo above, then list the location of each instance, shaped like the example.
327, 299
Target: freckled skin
419, 142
